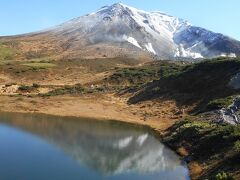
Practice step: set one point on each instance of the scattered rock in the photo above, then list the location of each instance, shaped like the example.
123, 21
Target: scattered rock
231, 114
9, 89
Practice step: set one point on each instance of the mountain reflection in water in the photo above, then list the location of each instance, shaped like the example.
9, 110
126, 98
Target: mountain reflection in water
108, 148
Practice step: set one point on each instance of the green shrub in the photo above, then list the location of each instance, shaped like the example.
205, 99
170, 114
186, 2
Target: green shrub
223, 176
220, 103
25, 88
38, 65
237, 146
76, 89
32, 54
28, 88
207, 138
191, 130
35, 85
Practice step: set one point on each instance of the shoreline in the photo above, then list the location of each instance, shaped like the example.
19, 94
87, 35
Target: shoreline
147, 126
99, 107
121, 116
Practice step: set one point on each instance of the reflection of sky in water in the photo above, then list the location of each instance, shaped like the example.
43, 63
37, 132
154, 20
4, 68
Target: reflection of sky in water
97, 149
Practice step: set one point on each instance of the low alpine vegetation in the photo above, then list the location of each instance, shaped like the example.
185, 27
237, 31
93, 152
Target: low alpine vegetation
210, 143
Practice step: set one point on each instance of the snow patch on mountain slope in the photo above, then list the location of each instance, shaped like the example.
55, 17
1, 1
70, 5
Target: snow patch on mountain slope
150, 48
231, 55
131, 40
187, 53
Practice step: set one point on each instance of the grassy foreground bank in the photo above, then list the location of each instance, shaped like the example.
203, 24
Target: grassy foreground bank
160, 94
215, 147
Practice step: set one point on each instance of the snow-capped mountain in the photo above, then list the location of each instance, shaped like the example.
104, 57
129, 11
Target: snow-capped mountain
155, 32
118, 30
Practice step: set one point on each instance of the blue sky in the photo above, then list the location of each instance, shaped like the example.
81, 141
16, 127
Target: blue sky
18, 16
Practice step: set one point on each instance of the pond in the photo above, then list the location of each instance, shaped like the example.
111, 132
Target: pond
34, 146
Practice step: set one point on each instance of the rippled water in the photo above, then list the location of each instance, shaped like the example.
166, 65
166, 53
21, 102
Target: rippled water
37, 147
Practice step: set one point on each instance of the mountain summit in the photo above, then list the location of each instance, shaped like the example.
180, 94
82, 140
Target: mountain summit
119, 29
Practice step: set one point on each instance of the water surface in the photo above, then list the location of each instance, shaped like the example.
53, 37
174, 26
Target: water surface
48, 147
